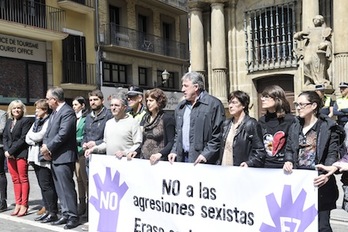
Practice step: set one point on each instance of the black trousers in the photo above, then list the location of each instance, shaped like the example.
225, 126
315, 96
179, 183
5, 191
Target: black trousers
63, 177
324, 221
3, 179
48, 191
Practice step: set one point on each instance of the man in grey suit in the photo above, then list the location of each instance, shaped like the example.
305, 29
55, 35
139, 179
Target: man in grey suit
59, 146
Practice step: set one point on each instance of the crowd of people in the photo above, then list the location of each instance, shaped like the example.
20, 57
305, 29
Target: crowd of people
61, 141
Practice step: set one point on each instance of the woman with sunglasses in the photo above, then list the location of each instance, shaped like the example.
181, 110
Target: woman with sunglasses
313, 140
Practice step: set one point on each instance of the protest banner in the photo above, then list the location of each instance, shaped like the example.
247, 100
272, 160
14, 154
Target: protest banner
135, 196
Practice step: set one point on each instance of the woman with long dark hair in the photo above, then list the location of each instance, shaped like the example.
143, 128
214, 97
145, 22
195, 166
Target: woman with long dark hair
275, 125
313, 140
80, 108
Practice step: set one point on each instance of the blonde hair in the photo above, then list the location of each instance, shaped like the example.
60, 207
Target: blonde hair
12, 105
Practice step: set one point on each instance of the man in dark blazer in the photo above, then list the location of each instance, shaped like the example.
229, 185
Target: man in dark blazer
59, 146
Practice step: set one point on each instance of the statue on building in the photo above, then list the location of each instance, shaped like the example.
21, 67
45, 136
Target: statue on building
316, 53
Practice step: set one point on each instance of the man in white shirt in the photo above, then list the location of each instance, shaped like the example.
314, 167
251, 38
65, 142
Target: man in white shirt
122, 133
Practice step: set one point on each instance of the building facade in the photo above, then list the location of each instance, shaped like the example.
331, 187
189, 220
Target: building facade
81, 45
138, 41
250, 44
43, 44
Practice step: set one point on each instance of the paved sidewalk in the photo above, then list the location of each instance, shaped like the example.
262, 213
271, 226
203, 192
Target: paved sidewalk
17, 224
339, 217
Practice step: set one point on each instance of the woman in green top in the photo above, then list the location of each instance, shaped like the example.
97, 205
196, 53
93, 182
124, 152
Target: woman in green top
79, 106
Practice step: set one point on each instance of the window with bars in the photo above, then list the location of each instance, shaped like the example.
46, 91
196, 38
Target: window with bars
74, 60
269, 37
114, 73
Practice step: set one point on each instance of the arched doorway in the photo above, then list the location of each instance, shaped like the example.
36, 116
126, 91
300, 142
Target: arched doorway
285, 81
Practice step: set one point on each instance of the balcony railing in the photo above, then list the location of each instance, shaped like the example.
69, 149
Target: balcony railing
129, 38
76, 72
181, 4
89, 3
32, 13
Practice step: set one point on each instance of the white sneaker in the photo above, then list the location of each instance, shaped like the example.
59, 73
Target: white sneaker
85, 227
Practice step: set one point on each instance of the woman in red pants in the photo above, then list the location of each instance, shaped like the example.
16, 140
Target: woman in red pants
16, 152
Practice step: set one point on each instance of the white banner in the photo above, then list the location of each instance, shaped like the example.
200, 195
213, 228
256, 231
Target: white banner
137, 197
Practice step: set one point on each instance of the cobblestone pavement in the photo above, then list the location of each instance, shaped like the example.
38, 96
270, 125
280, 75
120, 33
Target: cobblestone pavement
14, 224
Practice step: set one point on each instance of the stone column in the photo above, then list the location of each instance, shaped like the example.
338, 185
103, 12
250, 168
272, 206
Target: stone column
218, 52
310, 8
197, 39
340, 62
157, 23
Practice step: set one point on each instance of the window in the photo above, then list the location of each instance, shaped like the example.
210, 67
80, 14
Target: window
145, 41
114, 73
325, 9
166, 38
269, 37
142, 76
22, 79
114, 15
74, 60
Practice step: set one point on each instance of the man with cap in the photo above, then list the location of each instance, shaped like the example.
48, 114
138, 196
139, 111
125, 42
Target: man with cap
340, 108
135, 102
327, 108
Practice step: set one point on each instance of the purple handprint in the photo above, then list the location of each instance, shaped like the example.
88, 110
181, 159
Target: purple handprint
107, 204
289, 215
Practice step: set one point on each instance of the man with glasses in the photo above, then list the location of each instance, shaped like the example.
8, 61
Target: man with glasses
122, 135
59, 147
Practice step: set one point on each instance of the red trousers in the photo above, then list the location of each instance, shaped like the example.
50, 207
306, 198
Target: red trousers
18, 169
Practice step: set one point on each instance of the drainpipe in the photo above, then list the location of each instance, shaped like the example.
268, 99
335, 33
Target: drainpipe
97, 39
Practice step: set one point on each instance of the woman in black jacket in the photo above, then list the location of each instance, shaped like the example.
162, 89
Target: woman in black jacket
313, 140
16, 152
241, 135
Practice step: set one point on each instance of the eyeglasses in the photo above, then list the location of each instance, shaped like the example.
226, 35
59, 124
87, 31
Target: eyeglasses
302, 105
266, 97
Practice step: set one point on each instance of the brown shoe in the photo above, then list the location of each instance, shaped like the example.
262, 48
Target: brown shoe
41, 211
